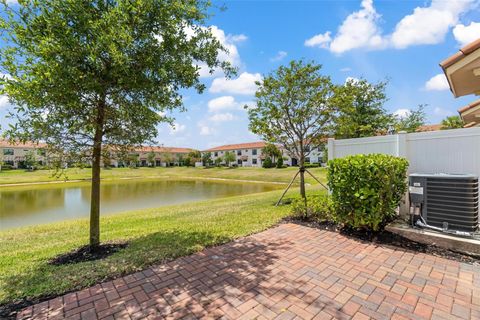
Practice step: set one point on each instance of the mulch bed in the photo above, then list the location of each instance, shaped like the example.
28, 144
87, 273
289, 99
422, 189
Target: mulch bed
85, 253
388, 238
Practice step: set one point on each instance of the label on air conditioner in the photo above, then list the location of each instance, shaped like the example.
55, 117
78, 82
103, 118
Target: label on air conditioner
415, 190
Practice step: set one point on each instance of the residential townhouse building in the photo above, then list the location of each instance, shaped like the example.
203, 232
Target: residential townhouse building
164, 156
14, 154
246, 155
250, 154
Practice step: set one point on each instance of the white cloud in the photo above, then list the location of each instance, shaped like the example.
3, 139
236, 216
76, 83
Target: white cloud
320, 40
244, 84
425, 25
358, 30
279, 56
437, 83
229, 42
428, 25
441, 112
466, 34
4, 101
205, 130
177, 128
346, 69
402, 113
351, 79
222, 117
237, 38
223, 103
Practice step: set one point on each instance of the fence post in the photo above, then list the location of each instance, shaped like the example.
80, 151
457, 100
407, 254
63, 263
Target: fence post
331, 148
402, 152
401, 144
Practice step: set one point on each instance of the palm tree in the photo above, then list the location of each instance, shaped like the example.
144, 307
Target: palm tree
452, 122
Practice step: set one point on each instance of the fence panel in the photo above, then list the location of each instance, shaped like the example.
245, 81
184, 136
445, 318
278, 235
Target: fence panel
446, 151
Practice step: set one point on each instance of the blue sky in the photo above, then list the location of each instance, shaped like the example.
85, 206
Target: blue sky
402, 41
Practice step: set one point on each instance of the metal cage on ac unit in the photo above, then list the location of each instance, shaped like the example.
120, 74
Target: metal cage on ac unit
446, 201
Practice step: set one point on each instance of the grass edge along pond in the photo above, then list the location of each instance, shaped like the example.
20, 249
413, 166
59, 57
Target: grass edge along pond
154, 236
284, 175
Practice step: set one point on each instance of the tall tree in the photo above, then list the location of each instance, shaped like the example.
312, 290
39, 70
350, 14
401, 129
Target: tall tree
272, 151
151, 158
207, 159
293, 109
360, 111
229, 157
88, 73
411, 121
452, 122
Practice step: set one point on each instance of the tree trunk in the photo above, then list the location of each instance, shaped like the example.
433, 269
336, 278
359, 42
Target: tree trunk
95, 195
302, 182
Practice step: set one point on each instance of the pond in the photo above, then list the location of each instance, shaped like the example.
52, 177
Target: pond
48, 203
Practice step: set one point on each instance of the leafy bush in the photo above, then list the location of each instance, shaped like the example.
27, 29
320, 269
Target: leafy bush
318, 208
366, 189
280, 162
267, 163
311, 165
6, 167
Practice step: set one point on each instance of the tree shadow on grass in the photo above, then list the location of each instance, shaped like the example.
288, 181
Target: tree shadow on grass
230, 279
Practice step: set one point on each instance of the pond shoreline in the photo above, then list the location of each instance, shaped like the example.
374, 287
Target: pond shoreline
22, 184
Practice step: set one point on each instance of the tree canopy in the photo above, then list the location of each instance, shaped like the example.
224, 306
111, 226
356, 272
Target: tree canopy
452, 122
411, 121
360, 111
293, 109
83, 74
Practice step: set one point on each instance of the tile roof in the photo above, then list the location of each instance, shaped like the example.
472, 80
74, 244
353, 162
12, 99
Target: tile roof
465, 51
163, 149
429, 127
27, 144
248, 145
469, 106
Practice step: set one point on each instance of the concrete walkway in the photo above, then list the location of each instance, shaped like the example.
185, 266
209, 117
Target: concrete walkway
288, 272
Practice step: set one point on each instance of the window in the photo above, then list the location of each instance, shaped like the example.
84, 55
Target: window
8, 152
254, 152
307, 148
239, 152
239, 161
307, 160
215, 154
254, 161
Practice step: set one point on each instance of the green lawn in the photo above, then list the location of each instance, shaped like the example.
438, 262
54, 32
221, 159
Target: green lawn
154, 235
257, 174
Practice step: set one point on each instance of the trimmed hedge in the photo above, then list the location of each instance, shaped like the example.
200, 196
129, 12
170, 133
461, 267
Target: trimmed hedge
366, 189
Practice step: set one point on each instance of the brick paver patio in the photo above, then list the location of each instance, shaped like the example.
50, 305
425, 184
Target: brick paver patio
287, 272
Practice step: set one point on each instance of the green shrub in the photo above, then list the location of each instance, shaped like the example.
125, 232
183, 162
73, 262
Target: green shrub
311, 165
366, 189
318, 208
267, 163
6, 167
280, 162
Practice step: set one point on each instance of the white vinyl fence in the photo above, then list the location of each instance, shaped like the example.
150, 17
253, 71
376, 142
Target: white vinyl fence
444, 151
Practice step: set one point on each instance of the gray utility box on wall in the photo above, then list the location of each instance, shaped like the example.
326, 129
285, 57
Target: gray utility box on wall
447, 201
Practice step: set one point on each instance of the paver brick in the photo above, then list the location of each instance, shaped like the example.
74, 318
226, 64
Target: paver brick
287, 272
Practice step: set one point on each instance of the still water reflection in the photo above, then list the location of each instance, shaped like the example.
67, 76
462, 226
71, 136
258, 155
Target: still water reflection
43, 204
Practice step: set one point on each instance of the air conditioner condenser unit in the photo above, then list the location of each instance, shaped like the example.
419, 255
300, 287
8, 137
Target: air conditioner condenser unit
445, 202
